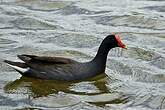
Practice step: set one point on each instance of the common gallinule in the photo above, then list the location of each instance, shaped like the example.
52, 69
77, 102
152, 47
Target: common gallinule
58, 68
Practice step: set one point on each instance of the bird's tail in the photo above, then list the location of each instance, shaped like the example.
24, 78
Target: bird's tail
18, 66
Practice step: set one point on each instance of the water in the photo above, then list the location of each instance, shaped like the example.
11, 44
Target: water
135, 78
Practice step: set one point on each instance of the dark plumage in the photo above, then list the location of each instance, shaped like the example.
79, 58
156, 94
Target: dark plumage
58, 68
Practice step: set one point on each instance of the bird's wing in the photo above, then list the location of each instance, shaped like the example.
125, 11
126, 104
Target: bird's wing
44, 59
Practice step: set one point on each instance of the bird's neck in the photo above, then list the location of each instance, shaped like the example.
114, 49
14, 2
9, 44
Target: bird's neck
101, 56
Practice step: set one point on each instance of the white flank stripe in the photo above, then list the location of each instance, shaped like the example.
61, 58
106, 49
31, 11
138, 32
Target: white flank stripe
23, 70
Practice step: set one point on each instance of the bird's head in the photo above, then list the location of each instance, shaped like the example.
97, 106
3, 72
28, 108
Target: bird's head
113, 41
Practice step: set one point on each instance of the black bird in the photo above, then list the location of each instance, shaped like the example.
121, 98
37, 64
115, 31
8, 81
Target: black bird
58, 68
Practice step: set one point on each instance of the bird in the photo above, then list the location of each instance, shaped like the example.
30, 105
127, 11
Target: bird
65, 69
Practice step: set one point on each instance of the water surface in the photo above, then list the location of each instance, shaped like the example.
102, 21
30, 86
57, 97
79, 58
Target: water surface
135, 78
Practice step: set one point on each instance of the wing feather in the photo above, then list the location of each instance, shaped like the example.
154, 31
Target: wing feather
45, 59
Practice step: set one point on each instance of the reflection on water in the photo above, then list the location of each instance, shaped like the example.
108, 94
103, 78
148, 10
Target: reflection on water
40, 92
39, 88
